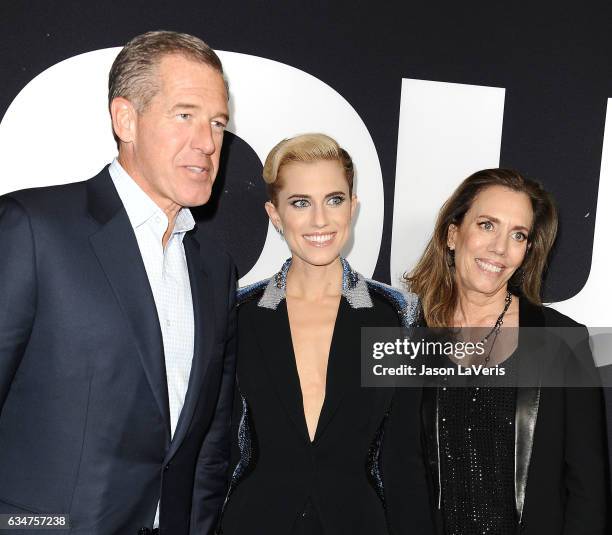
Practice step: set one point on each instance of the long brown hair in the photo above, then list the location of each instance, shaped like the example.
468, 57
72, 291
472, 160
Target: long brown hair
433, 278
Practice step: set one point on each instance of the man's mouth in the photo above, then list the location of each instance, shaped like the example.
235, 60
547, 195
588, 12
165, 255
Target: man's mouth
195, 168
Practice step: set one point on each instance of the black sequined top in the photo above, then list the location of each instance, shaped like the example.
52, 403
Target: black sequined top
476, 436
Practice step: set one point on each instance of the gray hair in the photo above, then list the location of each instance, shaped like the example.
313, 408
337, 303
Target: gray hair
132, 75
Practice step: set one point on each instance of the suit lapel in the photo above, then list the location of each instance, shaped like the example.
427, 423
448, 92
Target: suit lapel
117, 250
204, 330
274, 337
527, 399
339, 366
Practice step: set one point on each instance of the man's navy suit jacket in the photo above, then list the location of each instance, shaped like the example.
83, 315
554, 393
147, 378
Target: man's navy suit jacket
84, 417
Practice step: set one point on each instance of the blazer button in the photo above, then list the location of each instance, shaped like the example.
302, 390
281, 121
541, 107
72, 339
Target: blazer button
167, 467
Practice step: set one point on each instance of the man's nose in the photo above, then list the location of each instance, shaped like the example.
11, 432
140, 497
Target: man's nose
203, 139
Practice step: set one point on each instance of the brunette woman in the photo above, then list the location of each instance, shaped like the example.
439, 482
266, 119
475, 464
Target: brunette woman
525, 458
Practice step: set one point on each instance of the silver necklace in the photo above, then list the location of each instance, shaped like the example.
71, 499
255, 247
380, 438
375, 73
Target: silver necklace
497, 327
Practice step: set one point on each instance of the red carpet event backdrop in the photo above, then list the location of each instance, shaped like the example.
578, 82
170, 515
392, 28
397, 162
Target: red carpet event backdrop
421, 96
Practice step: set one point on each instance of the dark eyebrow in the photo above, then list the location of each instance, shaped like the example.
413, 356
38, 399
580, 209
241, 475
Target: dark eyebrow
490, 217
495, 220
304, 196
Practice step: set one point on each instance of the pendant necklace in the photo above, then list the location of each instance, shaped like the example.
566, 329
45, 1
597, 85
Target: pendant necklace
497, 327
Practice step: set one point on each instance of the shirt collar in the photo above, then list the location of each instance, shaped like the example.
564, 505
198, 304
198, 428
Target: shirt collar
184, 221
139, 206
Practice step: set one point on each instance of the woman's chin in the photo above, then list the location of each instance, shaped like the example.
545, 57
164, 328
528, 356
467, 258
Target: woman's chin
320, 257
487, 287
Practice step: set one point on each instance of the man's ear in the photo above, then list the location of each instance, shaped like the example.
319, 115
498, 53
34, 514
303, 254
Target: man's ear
124, 116
273, 215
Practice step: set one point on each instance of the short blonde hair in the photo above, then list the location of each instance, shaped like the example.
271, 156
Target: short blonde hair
306, 148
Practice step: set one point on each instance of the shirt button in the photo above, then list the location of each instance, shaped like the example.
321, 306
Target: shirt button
168, 322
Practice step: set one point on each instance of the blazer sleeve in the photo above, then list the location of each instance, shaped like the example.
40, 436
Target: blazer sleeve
406, 489
586, 453
17, 289
210, 484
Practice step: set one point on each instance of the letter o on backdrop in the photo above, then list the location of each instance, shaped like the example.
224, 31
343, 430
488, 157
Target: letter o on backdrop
57, 130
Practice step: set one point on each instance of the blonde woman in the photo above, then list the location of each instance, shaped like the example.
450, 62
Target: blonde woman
310, 438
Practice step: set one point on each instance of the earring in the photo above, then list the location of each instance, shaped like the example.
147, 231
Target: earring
280, 231
450, 256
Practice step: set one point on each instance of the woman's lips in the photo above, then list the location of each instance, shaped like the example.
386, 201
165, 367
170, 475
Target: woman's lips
320, 240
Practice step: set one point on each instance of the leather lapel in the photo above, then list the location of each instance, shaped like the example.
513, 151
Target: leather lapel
274, 337
117, 250
431, 437
527, 402
340, 365
527, 405
204, 331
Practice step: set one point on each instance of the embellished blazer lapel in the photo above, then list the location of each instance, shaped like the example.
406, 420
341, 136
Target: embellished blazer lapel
277, 347
117, 250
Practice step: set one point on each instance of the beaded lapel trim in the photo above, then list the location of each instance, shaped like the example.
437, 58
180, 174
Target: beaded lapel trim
354, 288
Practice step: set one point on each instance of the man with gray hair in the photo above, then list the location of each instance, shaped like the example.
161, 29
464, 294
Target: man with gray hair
117, 319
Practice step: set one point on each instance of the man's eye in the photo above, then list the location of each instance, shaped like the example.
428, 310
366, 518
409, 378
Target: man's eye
184, 116
300, 203
219, 125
